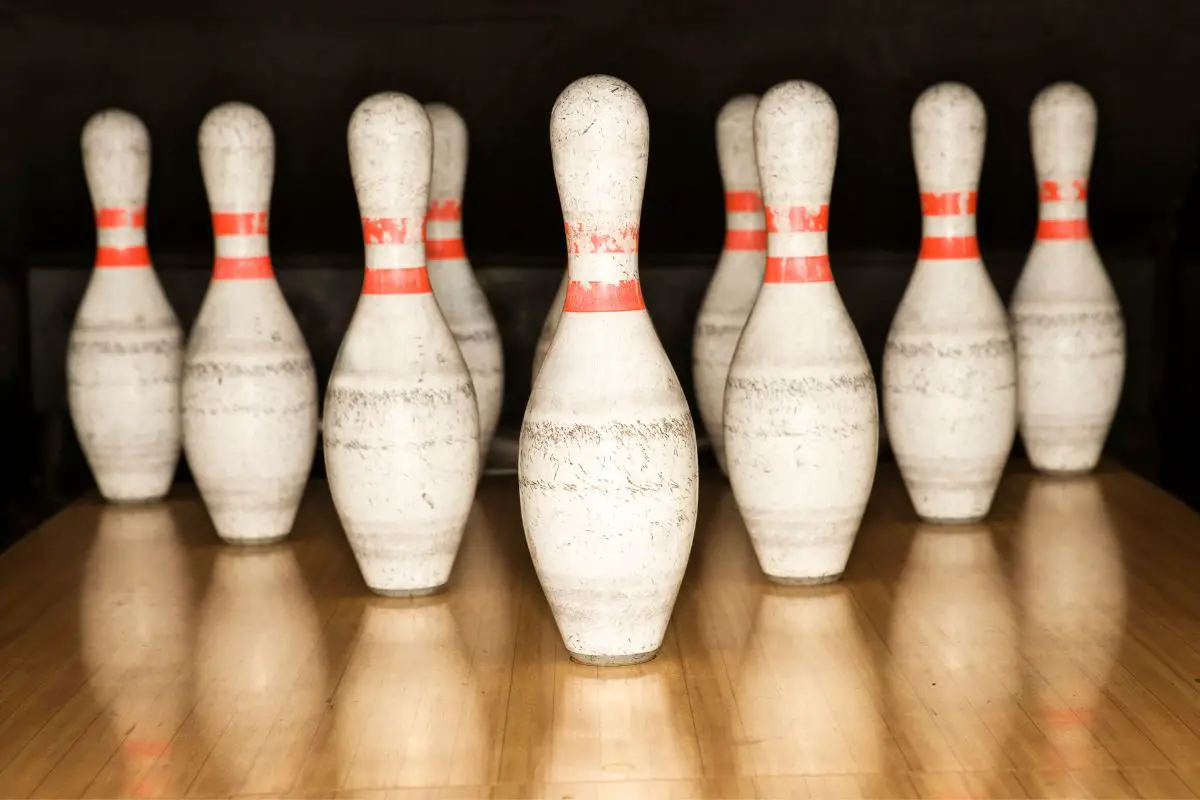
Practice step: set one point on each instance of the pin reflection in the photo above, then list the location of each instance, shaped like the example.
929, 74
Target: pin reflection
407, 702
622, 723
261, 671
805, 692
135, 626
1071, 580
955, 670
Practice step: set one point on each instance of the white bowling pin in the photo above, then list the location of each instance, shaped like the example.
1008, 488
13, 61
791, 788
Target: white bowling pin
801, 412
1069, 331
550, 324
125, 351
949, 372
249, 387
462, 300
607, 464
401, 427
739, 272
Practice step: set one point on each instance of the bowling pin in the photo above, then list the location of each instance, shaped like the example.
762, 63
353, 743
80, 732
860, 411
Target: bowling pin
462, 301
607, 463
1068, 327
125, 349
801, 411
949, 371
739, 272
401, 427
249, 388
550, 324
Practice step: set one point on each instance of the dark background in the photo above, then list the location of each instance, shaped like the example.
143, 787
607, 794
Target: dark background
307, 63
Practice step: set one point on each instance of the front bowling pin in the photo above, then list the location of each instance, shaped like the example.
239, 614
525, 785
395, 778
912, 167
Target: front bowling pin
1069, 331
401, 427
249, 389
462, 300
949, 373
801, 411
739, 272
125, 351
607, 465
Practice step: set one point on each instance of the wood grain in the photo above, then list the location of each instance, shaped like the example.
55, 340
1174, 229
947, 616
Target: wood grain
1051, 652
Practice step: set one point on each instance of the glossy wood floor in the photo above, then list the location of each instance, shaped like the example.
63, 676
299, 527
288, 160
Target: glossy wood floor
1053, 652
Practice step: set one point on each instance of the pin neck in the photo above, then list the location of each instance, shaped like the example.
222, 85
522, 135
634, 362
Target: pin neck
395, 256
745, 226
602, 266
1063, 210
948, 225
241, 244
121, 238
443, 232
797, 244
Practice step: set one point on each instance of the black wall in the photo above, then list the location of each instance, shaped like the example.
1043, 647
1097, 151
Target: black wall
307, 63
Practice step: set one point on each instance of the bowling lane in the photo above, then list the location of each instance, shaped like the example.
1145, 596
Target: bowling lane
1048, 651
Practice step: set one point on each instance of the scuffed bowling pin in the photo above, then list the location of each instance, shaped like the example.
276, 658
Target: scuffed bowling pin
1069, 331
801, 411
739, 272
462, 300
125, 351
607, 464
550, 325
249, 388
401, 427
949, 373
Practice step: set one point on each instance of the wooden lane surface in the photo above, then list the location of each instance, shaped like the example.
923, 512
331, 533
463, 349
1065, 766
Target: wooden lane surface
1052, 652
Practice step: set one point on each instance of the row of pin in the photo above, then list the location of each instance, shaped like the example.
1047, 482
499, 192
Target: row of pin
607, 463
240, 399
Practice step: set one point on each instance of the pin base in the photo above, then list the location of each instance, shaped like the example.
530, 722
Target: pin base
254, 542
1066, 473
955, 521
612, 661
136, 501
403, 593
818, 581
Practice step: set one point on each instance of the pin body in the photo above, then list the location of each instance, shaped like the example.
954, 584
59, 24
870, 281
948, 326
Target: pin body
739, 272
801, 411
949, 371
1069, 330
401, 426
125, 350
463, 303
607, 457
249, 388
550, 324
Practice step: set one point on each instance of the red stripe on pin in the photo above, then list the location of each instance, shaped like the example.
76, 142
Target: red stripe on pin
121, 218
122, 257
248, 223
406, 280
390, 230
798, 219
948, 248
1053, 191
242, 269
590, 296
445, 210
948, 204
745, 240
798, 269
582, 240
444, 249
1059, 230
743, 201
